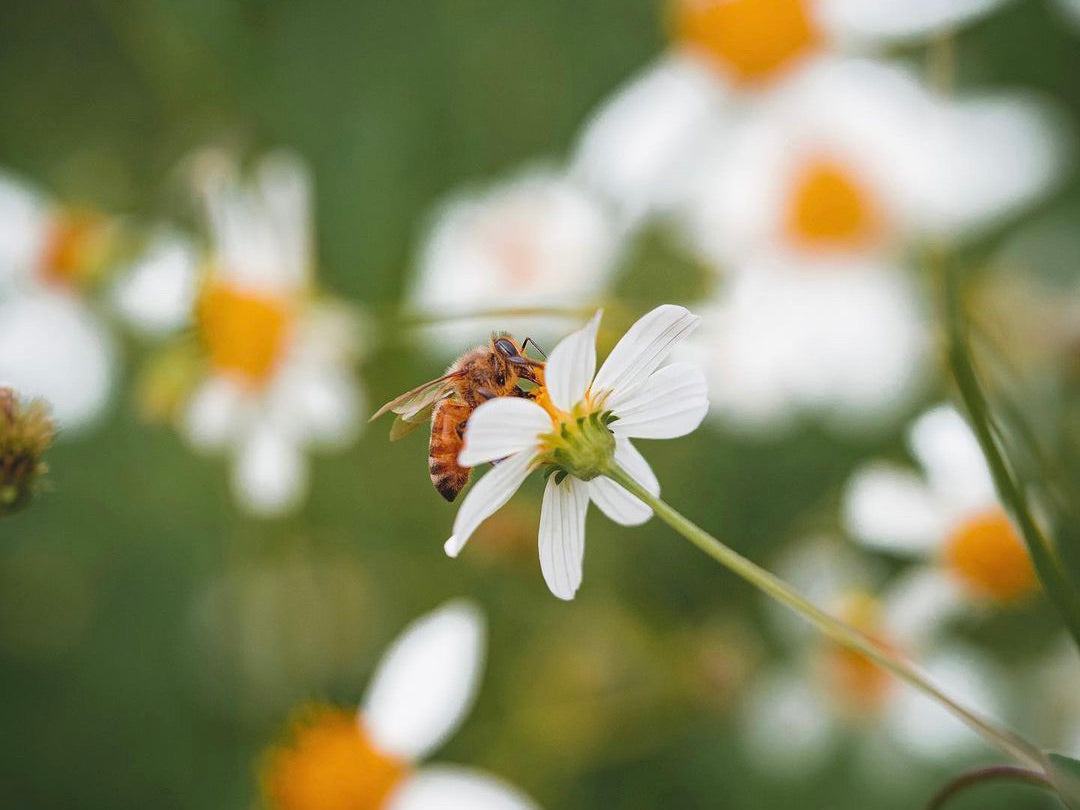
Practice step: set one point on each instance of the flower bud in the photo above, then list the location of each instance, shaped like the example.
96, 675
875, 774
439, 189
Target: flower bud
26, 431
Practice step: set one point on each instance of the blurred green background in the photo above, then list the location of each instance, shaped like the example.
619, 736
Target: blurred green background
153, 640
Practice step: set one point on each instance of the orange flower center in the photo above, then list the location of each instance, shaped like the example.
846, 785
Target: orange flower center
830, 208
752, 40
856, 682
986, 554
245, 332
72, 240
328, 763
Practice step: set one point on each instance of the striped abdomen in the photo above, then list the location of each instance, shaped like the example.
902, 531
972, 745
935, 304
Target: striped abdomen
447, 429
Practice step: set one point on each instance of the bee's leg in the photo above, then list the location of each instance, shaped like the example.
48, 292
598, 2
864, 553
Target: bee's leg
485, 394
525, 343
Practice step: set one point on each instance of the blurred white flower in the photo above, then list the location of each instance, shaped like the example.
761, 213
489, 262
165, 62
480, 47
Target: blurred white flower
949, 517
581, 420
641, 143
278, 360
52, 344
536, 240
813, 204
155, 294
418, 696
797, 717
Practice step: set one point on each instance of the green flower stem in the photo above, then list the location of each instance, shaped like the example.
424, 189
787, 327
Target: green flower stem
1059, 588
994, 773
840, 632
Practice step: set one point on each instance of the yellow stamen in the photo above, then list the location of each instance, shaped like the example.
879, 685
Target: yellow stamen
830, 208
245, 332
328, 763
72, 242
986, 554
855, 682
751, 40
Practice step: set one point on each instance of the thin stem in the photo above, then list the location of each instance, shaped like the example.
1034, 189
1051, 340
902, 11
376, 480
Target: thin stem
1059, 588
842, 633
995, 773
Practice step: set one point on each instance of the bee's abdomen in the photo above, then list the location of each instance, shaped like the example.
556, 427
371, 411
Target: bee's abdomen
447, 427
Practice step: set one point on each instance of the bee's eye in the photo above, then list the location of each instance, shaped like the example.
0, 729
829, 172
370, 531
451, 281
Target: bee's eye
506, 348
500, 379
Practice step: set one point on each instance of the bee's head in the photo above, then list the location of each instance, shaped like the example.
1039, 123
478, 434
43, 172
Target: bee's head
507, 349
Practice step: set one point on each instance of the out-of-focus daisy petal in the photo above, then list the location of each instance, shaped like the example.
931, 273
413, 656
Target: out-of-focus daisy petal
671, 403
452, 788
992, 156
270, 475
920, 604
924, 728
859, 20
789, 729
502, 427
616, 502
570, 366
951, 457
52, 346
23, 228
319, 404
426, 682
562, 534
890, 508
213, 414
487, 496
635, 149
644, 347
157, 293
285, 186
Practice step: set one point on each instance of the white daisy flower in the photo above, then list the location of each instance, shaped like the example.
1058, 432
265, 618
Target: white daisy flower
278, 379
536, 240
581, 420
813, 203
641, 142
369, 760
52, 344
797, 717
155, 295
949, 517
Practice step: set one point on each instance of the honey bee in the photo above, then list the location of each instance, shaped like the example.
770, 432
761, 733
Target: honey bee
478, 375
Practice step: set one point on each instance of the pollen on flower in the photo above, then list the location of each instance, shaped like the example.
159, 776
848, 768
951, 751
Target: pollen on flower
830, 208
328, 763
245, 332
71, 239
753, 40
986, 554
855, 682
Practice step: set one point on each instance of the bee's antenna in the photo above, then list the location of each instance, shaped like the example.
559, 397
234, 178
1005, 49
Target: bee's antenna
529, 340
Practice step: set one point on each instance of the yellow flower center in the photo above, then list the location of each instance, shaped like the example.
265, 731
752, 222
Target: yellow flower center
752, 40
830, 208
245, 332
73, 241
855, 682
328, 763
986, 554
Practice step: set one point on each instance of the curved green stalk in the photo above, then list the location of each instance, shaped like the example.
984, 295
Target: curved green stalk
842, 633
994, 773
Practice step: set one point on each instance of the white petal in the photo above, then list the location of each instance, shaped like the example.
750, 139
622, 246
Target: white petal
270, 476
950, 455
320, 405
787, 725
426, 681
213, 416
24, 223
860, 20
156, 295
487, 496
571, 365
890, 508
643, 348
502, 427
671, 403
562, 535
920, 604
614, 501
52, 346
453, 788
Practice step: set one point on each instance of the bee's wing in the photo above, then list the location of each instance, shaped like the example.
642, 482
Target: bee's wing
413, 402
405, 424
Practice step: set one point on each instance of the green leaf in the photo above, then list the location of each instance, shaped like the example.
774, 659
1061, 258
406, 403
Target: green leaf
1065, 774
